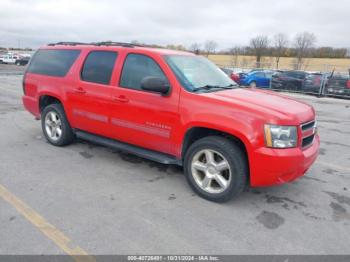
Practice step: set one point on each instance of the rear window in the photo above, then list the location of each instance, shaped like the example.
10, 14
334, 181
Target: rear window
53, 62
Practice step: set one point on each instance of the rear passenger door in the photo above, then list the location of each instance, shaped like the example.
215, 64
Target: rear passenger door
91, 94
141, 117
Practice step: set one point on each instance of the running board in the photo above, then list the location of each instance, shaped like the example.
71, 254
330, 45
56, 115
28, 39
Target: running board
141, 152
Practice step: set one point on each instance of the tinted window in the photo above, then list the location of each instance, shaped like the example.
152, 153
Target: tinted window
290, 74
98, 67
53, 62
136, 67
299, 75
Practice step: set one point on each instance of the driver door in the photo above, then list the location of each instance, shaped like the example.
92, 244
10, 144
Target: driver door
140, 117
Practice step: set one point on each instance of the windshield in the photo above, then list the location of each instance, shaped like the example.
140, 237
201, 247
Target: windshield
196, 72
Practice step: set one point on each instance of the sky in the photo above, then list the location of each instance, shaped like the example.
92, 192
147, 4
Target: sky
32, 23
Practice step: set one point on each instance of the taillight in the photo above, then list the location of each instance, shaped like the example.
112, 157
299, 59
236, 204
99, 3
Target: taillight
348, 84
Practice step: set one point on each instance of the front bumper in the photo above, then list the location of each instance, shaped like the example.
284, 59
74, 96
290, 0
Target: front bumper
335, 91
277, 166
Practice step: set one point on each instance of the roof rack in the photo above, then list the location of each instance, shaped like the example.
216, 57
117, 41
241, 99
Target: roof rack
68, 43
109, 43
105, 43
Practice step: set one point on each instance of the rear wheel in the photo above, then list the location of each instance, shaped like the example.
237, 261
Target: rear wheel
252, 84
55, 125
216, 168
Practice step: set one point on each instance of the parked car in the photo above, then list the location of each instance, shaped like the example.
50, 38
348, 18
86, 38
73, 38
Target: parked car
22, 61
256, 79
256, 70
312, 82
231, 74
9, 59
172, 107
338, 84
288, 80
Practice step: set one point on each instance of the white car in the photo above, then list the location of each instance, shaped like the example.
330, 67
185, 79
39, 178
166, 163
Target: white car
9, 59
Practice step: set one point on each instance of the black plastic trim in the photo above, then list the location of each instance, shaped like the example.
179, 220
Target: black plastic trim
141, 152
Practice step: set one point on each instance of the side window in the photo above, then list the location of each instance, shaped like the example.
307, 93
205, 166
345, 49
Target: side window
135, 68
300, 76
53, 62
98, 67
260, 74
269, 75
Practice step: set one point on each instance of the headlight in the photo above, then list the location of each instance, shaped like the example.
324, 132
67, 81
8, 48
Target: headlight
281, 136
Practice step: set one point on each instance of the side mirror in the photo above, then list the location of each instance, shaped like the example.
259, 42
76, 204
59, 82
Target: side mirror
155, 84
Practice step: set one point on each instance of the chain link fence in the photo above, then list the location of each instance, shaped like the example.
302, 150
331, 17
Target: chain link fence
331, 81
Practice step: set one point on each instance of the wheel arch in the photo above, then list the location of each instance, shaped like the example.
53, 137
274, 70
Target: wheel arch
197, 132
48, 99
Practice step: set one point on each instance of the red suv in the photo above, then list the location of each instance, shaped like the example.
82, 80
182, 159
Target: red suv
174, 108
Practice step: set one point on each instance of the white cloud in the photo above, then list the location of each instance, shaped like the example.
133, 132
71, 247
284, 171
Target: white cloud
229, 22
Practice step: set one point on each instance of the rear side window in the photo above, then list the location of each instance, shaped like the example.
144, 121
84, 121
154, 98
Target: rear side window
98, 67
53, 62
136, 67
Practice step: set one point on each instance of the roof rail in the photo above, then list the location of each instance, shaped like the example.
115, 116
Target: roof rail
110, 43
104, 43
68, 43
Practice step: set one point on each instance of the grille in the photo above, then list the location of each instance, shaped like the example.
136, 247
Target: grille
308, 140
308, 125
308, 133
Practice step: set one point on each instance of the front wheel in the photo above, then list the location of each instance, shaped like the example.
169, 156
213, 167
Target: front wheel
216, 168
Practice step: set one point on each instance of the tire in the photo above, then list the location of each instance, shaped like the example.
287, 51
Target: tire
198, 173
18, 63
53, 118
252, 84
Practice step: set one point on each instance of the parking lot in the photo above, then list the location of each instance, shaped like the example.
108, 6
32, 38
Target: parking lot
86, 199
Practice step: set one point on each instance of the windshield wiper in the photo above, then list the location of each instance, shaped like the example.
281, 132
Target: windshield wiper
230, 86
210, 87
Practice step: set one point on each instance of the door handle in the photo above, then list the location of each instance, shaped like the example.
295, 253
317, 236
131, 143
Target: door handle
79, 90
122, 99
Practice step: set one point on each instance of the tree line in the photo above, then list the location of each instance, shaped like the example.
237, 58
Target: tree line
301, 46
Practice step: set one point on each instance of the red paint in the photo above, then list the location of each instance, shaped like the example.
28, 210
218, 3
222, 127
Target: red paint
160, 122
235, 77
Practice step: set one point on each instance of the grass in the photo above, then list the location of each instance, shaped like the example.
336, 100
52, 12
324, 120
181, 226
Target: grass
310, 64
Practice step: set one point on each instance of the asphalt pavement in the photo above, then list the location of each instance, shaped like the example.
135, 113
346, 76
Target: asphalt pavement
89, 199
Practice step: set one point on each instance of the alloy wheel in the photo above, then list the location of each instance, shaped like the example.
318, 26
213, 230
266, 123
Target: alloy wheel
53, 126
211, 171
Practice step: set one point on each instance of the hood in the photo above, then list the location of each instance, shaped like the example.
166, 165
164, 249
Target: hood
268, 104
